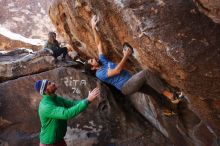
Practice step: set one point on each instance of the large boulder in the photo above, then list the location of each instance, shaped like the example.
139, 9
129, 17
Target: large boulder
110, 120
211, 8
184, 128
23, 62
171, 37
8, 44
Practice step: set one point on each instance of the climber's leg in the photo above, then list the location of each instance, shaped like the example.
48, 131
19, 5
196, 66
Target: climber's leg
134, 83
154, 81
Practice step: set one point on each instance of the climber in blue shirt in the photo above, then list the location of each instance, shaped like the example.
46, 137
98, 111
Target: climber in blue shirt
116, 80
116, 75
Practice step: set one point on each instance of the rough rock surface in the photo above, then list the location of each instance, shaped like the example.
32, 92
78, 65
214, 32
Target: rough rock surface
9, 44
25, 17
171, 37
110, 120
22, 62
184, 128
211, 8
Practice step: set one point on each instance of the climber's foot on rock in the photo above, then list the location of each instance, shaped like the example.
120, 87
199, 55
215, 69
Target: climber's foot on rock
178, 97
168, 112
174, 97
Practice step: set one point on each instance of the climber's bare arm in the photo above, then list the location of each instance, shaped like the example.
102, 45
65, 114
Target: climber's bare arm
117, 70
98, 41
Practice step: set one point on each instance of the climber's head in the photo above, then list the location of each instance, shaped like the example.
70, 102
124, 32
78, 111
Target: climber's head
51, 36
91, 66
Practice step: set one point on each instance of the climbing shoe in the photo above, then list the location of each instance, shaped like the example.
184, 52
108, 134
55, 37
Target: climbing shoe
168, 112
178, 96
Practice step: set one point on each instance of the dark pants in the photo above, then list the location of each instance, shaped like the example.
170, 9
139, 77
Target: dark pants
60, 51
62, 143
144, 77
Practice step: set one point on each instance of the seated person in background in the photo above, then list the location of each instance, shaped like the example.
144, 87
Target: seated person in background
53, 46
114, 74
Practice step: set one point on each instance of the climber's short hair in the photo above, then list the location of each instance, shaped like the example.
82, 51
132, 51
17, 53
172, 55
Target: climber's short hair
88, 69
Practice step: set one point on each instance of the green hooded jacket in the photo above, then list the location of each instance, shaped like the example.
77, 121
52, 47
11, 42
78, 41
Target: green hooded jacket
54, 111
